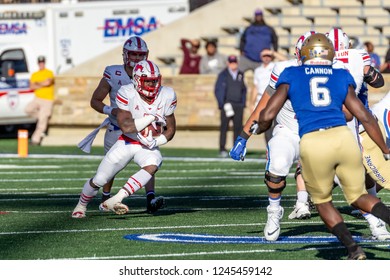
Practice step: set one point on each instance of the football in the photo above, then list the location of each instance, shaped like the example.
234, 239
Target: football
156, 129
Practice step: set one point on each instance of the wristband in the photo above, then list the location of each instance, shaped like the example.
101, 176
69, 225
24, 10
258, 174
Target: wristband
141, 123
244, 135
107, 110
161, 140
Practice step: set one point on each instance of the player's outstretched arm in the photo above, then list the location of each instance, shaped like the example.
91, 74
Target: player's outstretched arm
256, 113
373, 77
238, 151
273, 107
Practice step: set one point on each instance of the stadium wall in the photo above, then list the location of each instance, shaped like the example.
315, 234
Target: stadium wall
197, 108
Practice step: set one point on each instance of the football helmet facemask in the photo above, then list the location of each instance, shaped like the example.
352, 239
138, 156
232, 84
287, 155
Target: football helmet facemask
317, 50
298, 45
338, 38
134, 50
147, 78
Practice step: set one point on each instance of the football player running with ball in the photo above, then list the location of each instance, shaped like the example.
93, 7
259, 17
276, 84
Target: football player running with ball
327, 148
134, 50
139, 105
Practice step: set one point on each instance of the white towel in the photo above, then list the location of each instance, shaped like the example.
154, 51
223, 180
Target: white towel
86, 144
229, 111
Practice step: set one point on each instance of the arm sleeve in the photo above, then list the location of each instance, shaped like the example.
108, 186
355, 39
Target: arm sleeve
122, 99
107, 75
172, 104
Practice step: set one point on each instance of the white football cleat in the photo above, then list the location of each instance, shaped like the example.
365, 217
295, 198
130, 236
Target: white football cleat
114, 206
301, 211
379, 231
79, 211
272, 227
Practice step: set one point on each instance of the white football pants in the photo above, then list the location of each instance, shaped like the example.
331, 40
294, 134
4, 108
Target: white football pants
282, 150
120, 155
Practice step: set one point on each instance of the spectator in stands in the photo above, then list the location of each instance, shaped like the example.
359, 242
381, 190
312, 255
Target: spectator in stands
41, 107
212, 62
230, 91
385, 67
375, 59
256, 37
191, 58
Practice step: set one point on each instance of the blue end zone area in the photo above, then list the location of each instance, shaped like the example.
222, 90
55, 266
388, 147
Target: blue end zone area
214, 239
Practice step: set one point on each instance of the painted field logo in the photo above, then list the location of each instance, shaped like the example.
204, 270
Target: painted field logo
218, 239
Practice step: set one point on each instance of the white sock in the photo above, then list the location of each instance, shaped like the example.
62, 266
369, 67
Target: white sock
274, 202
302, 196
121, 194
87, 194
136, 182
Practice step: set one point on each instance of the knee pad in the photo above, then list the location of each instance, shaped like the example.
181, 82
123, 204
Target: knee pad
275, 179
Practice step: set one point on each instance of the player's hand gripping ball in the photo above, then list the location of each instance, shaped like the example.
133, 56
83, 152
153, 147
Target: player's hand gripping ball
156, 129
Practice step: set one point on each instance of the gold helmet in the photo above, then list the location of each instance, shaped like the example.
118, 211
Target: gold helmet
317, 50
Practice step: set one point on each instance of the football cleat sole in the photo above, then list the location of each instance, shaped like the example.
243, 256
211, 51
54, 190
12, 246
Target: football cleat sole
120, 209
78, 215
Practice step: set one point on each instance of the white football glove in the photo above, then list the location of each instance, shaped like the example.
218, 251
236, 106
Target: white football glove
160, 119
147, 141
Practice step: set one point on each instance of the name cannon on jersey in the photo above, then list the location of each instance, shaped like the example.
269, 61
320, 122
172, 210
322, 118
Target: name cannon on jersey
316, 71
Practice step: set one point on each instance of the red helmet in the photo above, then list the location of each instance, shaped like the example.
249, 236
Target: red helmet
338, 38
134, 50
147, 78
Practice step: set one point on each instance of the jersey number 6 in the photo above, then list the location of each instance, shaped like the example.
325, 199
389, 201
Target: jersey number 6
320, 95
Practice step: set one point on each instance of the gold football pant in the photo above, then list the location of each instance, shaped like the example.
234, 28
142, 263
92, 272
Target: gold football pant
327, 153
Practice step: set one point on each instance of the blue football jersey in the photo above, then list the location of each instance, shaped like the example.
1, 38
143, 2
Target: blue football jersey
317, 94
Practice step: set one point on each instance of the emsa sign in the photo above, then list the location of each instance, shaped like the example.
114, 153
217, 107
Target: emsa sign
115, 27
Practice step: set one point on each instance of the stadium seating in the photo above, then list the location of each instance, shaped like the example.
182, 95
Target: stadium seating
366, 20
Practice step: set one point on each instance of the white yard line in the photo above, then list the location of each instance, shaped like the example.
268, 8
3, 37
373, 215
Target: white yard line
227, 252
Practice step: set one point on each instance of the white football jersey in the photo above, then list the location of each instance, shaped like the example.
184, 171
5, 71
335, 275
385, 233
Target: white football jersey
129, 99
116, 76
286, 115
354, 61
382, 112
